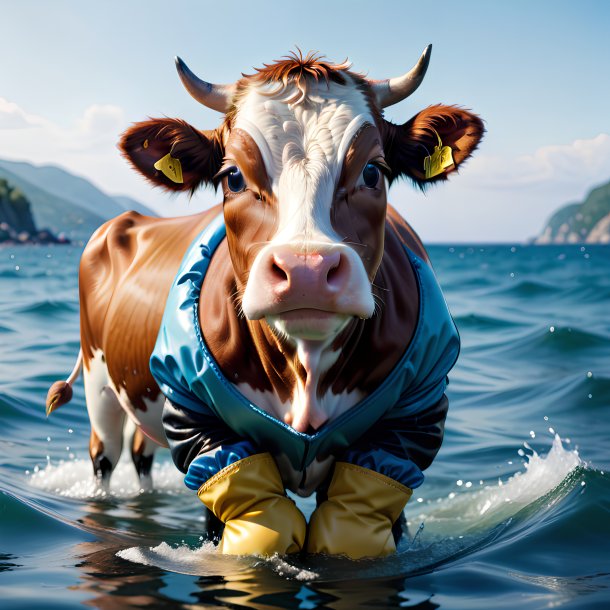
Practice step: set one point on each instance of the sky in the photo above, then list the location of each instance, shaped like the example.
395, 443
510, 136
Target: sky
74, 75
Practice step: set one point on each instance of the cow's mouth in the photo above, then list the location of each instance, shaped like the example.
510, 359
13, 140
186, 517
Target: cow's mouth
307, 323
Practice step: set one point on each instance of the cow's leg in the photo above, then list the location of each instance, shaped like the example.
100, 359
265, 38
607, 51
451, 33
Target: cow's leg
142, 454
107, 418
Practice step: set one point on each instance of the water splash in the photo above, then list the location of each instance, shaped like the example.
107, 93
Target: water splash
472, 511
74, 479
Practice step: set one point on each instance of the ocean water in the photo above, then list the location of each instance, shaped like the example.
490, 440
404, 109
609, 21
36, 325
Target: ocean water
514, 513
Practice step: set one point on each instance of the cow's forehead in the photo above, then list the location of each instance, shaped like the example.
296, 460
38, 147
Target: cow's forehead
299, 129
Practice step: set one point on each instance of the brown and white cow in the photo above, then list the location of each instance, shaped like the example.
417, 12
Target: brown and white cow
310, 300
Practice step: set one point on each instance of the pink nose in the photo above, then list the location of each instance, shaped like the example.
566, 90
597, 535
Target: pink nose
312, 279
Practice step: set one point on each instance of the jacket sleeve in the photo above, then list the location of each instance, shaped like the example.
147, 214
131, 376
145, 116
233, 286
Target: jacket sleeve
200, 443
402, 447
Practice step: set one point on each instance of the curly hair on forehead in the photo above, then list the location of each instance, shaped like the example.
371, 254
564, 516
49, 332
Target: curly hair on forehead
298, 70
293, 75
296, 67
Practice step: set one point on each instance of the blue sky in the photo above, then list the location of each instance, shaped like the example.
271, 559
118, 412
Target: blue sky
75, 74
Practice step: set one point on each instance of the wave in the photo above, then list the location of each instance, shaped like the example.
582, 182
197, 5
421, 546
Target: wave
570, 338
533, 288
484, 322
45, 527
579, 391
543, 340
528, 289
48, 307
482, 509
10, 273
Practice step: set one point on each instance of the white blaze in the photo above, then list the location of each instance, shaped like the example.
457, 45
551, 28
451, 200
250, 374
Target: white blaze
303, 146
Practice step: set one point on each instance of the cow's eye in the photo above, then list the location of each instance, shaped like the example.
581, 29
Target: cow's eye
370, 175
235, 180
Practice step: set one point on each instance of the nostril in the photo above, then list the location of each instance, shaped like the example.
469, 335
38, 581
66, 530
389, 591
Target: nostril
277, 272
332, 272
335, 272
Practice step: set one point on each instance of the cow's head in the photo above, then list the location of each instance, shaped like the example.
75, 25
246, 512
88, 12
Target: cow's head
304, 157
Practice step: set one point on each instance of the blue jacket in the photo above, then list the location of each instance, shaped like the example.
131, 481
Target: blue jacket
197, 390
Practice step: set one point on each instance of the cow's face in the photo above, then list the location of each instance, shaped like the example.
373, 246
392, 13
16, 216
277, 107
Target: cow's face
304, 158
304, 202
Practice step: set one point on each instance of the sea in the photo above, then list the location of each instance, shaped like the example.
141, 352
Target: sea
514, 512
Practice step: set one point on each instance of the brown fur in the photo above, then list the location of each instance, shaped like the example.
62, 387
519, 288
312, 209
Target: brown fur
200, 152
59, 394
125, 275
96, 447
407, 145
138, 443
297, 70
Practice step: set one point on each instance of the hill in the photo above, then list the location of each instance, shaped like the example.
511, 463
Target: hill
17, 224
76, 189
585, 222
63, 202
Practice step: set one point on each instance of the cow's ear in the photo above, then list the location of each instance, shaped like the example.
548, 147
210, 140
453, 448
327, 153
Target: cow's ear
434, 143
172, 154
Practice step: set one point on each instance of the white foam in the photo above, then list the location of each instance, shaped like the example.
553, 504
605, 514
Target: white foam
74, 479
283, 568
206, 560
181, 555
471, 511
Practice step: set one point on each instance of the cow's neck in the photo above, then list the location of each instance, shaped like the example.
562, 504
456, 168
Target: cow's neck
306, 385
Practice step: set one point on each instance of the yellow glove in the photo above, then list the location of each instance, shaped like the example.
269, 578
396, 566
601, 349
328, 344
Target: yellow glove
249, 498
357, 518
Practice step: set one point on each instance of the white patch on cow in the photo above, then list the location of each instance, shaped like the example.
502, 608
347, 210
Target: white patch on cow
148, 421
108, 407
303, 147
105, 412
322, 331
265, 400
305, 409
303, 484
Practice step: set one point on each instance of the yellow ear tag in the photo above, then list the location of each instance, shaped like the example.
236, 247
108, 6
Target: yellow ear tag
171, 167
439, 160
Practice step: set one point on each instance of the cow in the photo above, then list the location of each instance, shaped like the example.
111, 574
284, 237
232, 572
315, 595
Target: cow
293, 337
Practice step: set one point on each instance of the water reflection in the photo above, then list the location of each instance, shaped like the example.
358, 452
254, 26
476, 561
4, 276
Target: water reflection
110, 582
115, 583
111, 586
6, 564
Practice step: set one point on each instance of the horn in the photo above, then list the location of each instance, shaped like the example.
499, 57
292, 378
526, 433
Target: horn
394, 90
216, 97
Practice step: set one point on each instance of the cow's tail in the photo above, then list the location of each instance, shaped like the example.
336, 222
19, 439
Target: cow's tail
60, 392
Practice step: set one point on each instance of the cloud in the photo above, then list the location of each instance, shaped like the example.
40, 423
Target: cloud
13, 117
99, 119
98, 123
580, 162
